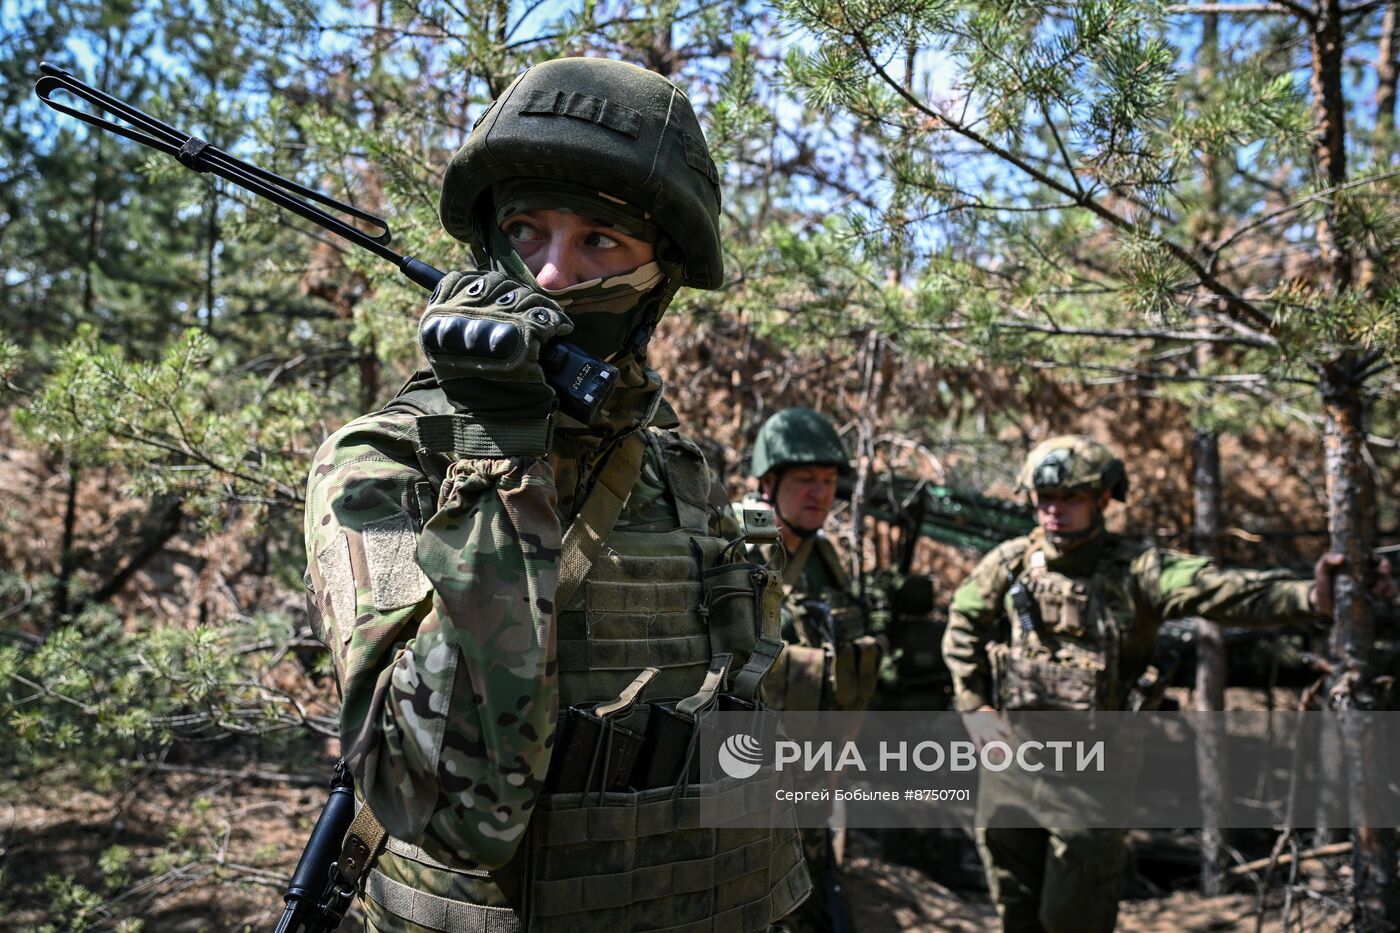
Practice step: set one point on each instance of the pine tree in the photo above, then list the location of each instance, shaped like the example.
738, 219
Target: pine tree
1073, 181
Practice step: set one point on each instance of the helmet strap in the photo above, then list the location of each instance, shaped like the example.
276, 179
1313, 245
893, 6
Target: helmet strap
653, 306
1066, 541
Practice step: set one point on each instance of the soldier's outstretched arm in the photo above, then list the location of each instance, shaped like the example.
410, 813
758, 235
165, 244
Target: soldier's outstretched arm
972, 621
443, 639
1179, 584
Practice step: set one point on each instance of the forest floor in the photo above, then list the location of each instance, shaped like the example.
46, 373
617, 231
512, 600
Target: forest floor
209, 848
887, 896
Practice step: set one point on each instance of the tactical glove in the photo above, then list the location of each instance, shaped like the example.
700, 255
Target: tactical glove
482, 335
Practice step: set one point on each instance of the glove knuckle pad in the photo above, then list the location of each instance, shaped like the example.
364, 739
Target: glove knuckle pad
489, 326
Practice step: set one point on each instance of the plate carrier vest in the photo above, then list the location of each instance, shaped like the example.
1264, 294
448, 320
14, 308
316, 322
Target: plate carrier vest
1072, 660
665, 621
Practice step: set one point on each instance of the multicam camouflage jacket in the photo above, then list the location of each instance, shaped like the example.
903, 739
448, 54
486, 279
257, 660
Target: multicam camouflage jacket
1094, 617
437, 585
433, 582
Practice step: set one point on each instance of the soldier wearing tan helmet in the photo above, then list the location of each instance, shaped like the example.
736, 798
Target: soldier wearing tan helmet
1098, 601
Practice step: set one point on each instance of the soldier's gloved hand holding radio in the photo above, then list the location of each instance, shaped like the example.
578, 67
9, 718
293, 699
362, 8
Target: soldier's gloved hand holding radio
483, 334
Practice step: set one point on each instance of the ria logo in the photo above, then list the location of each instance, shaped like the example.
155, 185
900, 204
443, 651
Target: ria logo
740, 756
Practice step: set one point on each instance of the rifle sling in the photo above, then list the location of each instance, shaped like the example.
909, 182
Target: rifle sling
363, 841
792, 571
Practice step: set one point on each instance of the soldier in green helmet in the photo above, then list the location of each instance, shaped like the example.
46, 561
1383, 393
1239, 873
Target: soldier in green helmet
1097, 601
833, 660
833, 657
511, 594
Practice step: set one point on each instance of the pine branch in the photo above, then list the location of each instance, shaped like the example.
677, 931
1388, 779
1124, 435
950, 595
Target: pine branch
272, 777
1361, 9
1231, 379
1233, 302
1278, 8
290, 495
1298, 205
1122, 333
20, 606
1376, 370
525, 14
1060, 145
61, 697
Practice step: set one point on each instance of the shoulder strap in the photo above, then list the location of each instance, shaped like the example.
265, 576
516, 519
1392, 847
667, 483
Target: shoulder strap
1015, 565
827, 553
363, 840
584, 539
686, 476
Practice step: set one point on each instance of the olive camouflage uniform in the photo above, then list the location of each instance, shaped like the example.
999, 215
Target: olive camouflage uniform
1099, 606
832, 657
832, 661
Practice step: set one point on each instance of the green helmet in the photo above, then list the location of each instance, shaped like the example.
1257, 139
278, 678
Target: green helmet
798, 437
1071, 463
607, 123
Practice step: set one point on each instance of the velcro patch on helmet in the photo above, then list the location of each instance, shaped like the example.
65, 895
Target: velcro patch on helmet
585, 107
697, 156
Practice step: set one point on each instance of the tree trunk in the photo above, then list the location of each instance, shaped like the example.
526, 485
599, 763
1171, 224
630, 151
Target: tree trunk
864, 452
1211, 670
162, 525
1329, 147
661, 55
1376, 894
67, 557
370, 367
97, 210
1387, 69
369, 376
211, 260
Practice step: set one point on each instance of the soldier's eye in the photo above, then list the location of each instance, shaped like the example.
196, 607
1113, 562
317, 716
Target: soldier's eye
521, 231
601, 241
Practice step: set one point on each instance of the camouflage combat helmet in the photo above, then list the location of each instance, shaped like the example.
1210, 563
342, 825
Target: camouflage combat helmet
798, 437
1071, 463
626, 130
